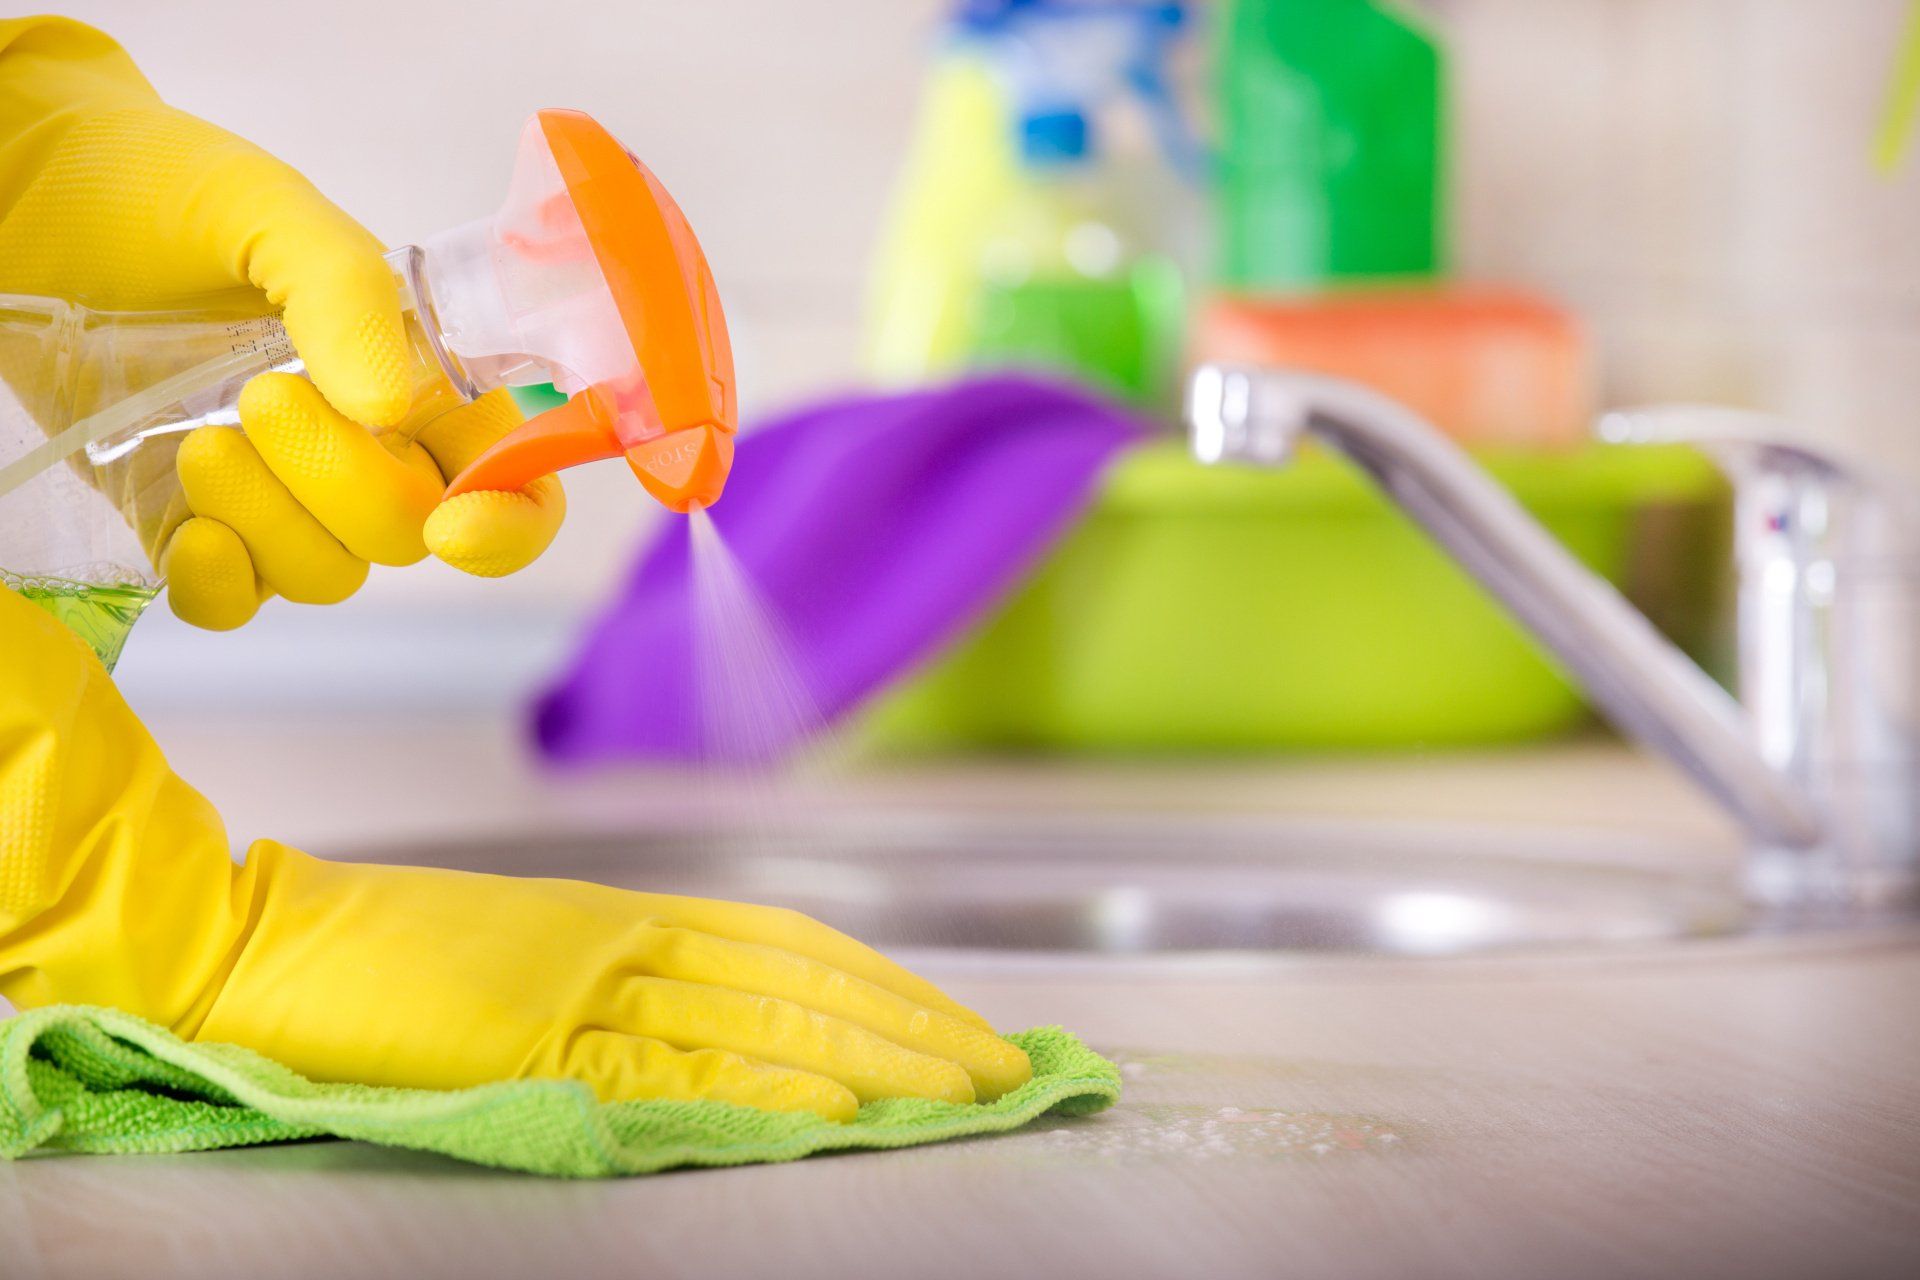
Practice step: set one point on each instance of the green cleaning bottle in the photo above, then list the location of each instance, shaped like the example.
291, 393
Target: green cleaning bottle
1329, 115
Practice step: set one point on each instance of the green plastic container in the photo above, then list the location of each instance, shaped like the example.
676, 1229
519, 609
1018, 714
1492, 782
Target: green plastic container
1201, 609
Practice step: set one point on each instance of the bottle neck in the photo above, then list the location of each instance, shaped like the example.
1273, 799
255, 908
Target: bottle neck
440, 380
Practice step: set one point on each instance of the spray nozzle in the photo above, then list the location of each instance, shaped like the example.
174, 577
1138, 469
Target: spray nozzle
589, 277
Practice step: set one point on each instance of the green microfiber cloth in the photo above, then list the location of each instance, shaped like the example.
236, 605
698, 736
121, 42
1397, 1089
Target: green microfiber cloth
98, 1080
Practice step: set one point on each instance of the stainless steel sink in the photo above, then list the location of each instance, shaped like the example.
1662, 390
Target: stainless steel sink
1159, 885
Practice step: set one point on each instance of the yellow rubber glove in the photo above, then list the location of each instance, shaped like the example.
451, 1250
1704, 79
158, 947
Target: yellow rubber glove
300, 499
116, 888
113, 199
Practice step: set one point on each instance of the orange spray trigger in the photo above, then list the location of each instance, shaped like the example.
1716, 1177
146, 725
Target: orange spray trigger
680, 469
567, 435
597, 281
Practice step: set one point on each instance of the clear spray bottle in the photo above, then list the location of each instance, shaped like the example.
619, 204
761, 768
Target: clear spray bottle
588, 277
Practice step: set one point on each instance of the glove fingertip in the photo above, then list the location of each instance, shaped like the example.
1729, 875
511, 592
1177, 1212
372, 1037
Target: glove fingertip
276, 394
948, 1082
210, 579
491, 534
1006, 1068
828, 1099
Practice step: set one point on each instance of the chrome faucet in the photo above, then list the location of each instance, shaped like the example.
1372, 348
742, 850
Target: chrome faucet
1820, 762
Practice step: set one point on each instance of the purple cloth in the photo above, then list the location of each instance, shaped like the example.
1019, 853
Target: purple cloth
876, 527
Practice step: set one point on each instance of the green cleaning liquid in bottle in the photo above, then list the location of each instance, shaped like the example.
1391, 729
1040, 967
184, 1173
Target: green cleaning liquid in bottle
101, 615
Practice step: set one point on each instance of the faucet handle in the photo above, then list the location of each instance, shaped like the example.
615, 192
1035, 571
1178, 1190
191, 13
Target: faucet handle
1746, 443
1789, 491
1829, 604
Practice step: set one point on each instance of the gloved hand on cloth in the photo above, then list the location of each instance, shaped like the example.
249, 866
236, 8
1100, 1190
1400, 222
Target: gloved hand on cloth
111, 198
117, 888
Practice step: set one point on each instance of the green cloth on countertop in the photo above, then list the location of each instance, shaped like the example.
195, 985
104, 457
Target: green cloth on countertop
98, 1080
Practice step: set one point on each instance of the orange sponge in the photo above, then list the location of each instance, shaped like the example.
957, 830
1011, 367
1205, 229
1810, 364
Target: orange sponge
1488, 365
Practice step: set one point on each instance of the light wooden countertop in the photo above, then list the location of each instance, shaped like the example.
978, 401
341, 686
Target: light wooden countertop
320, 782
1745, 1109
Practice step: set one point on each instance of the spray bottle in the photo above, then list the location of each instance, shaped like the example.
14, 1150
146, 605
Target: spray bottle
1032, 226
588, 277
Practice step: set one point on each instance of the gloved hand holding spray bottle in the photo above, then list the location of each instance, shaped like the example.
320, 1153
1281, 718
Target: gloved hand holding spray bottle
117, 215
588, 277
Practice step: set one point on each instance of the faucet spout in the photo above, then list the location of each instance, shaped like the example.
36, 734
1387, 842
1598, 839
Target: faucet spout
1638, 678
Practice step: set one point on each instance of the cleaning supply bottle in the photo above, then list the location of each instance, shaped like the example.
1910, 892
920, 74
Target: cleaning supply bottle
1332, 237
588, 278
1033, 228
1329, 118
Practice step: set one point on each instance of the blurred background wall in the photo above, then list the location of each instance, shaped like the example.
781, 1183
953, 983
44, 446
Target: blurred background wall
1690, 175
